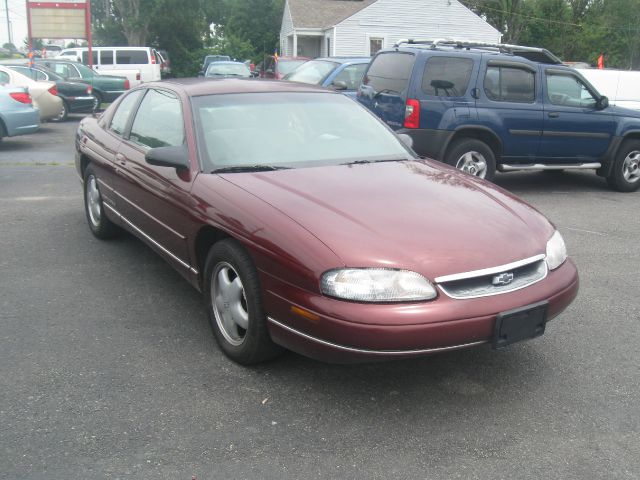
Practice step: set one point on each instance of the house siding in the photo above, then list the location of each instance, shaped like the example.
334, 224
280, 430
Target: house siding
286, 29
393, 20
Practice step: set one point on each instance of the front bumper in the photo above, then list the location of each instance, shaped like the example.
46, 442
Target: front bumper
346, 332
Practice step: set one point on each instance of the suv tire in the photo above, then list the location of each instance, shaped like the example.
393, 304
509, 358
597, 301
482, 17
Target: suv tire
625, 173
472, 156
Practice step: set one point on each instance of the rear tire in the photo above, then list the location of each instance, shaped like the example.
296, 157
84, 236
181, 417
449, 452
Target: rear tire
473, 157
100, 225
234, 304
625, 173
64, 114
97, 101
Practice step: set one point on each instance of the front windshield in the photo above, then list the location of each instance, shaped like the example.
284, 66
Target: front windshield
312, 72
217, 69
288, 66
284, 129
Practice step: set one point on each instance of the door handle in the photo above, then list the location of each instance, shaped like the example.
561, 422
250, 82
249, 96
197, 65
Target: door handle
121, 159
554, 114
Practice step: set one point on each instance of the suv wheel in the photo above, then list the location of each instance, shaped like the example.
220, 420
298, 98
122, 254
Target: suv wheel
473, 157
625, 174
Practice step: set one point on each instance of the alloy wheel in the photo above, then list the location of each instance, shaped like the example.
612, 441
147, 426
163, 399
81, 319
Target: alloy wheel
229, 303
473, 163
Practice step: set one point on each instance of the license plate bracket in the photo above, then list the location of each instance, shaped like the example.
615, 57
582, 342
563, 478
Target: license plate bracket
520, 324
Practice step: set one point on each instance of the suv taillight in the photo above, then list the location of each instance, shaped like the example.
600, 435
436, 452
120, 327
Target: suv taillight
22, 97
127, 86
53, 90
412, 113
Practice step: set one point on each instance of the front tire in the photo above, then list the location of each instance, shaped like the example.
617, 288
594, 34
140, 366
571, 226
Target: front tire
473, 157
625, 173
100, 225
234, 304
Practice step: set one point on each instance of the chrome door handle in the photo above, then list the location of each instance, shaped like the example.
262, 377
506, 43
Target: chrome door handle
554, 114
121, 159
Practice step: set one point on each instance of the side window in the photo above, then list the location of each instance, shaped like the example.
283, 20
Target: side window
4, 77
61, 69
28, 72
447, 76
390, 71
508, 84
40, 75
568, 91
131, 57
158, 122
351, 75
94, 57
106, 57
121, 117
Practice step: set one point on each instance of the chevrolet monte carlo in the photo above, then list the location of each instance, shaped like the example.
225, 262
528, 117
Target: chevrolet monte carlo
307, 224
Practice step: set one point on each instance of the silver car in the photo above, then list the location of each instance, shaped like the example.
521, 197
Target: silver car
18, 116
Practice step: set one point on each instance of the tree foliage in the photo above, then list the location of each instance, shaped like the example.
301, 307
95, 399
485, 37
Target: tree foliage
575, 30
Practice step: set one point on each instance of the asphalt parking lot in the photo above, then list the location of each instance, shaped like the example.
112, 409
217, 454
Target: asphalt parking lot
108, 368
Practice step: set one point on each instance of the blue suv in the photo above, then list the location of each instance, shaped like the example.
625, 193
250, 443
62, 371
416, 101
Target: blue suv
486, 107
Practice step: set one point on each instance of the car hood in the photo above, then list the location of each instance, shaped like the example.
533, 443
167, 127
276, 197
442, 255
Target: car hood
622, 111
417, 215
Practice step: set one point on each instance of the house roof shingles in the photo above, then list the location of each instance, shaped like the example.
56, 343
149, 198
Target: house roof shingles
324, 13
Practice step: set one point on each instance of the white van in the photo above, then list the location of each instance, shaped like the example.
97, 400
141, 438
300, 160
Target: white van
138, 64
620, 86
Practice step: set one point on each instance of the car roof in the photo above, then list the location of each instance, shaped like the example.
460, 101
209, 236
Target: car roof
195, 87
532, 57
345, 59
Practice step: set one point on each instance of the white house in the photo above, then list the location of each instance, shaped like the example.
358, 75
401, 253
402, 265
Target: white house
319, 28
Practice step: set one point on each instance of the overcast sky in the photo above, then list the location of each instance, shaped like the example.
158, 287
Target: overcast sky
18, 18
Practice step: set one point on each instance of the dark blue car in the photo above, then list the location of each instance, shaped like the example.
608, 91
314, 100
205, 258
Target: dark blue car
487, 107
339, 73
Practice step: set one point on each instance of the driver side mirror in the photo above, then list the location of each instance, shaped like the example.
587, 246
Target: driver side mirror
176, 157
602, 103
339, 85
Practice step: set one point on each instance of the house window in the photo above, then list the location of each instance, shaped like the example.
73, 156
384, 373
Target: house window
375, 44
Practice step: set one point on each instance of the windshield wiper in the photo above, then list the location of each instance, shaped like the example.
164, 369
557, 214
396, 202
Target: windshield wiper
249, 168
362, 162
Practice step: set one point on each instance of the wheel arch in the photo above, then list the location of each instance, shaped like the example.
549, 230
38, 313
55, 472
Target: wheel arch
482, 134
206, 237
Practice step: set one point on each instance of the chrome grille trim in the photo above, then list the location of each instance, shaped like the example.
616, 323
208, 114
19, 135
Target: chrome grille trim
479, 283
489, 271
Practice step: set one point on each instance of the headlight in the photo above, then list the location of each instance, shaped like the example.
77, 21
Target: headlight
376, 285
556, 251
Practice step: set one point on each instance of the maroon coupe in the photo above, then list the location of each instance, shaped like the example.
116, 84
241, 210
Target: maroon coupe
308, 224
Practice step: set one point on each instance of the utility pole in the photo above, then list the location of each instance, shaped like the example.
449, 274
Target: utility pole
6, 8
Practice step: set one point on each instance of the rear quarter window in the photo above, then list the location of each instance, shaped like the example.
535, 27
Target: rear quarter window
390, 71
447, 76
132, 57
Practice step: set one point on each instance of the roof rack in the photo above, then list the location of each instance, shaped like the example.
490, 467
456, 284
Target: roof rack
535, 54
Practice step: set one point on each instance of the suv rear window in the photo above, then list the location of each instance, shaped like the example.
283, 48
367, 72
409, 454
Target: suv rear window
390, 71
447, 76
506, 84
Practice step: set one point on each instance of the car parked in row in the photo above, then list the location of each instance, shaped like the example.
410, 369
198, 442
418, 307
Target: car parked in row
275, 67
227, 69
138, 64
486, 107
340, 73
76, 96
105, 88
17, 113
620, 86
269, 197
44, 94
